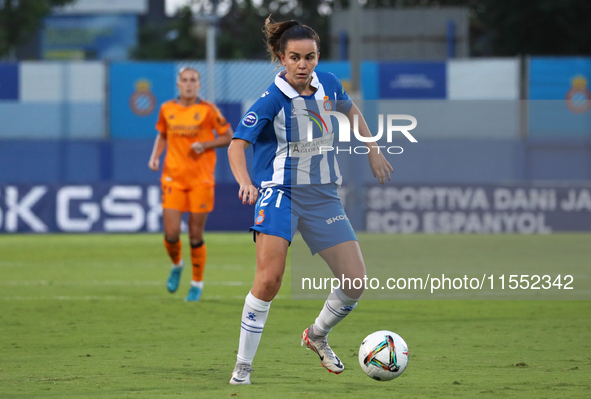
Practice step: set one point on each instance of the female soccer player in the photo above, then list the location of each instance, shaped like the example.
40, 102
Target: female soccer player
186, 125
296, 189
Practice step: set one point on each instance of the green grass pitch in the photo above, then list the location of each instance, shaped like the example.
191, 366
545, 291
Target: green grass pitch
88, 316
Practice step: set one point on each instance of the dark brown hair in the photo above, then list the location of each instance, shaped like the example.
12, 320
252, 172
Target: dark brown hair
277, 34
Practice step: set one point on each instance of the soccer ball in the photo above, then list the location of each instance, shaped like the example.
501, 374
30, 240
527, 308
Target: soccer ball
383, 355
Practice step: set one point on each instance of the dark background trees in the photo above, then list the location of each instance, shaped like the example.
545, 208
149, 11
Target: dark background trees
497, 27
239, 34
19, 19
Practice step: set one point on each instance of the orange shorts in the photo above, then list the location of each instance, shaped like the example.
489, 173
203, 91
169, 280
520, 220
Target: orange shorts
196, 200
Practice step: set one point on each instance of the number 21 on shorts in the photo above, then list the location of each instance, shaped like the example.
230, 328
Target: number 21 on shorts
266, 197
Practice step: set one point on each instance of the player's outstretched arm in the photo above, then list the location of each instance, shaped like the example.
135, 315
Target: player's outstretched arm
159, 147
247, 192
380, 167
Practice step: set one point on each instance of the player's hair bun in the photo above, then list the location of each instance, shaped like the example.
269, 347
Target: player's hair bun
277, 34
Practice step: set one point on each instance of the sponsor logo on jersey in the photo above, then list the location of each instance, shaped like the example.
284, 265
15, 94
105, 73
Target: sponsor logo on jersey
305, 148
250, 119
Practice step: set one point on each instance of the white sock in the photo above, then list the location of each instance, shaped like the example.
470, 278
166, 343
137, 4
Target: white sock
198, 284
336, 308
254, 316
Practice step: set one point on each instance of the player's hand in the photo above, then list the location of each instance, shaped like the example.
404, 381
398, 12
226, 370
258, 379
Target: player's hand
380, 167
198, 148
248, 193
154, 164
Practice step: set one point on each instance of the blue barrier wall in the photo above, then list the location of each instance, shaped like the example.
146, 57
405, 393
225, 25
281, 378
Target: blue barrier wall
77, 162
9, 77
559, 139
104, 207
560, 98
429, 161
53, 100
136, 91
69, 102
412, 80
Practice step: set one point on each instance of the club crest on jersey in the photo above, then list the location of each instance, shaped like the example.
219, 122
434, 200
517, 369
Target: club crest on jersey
250, 119
259, 219
327, 105
197, 116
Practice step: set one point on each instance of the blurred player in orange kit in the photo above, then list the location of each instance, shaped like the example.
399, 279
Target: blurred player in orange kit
186, 125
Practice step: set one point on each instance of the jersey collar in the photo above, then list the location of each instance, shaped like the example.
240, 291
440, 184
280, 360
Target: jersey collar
286, 88
178, 99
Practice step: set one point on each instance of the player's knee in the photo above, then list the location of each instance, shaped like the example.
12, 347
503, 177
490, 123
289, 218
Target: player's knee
271, 282
171, 238
266, 288
196, 237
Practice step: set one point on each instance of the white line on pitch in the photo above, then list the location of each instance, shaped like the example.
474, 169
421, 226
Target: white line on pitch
112, 298
107, 282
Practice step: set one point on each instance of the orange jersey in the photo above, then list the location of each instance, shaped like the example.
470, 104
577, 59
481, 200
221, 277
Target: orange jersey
182, 126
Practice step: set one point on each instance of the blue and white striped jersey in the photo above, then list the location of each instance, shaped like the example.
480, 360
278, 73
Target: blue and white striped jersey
278, 126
